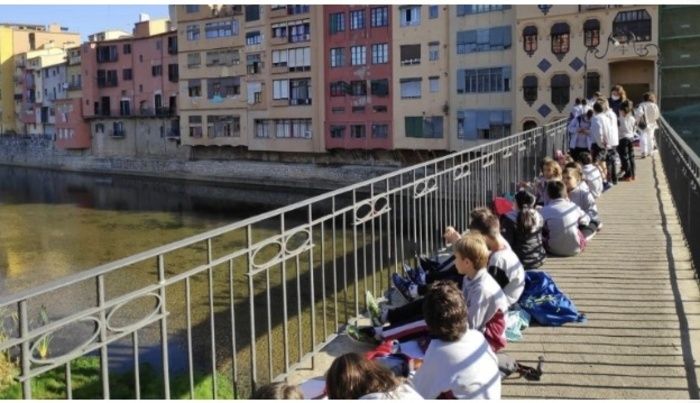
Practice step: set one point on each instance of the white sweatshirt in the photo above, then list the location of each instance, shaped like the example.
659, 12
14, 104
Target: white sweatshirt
594, 179
582, 197
484, 298
506, 269
402, 392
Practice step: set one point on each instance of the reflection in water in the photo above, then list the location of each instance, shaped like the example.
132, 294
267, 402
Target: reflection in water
55, 223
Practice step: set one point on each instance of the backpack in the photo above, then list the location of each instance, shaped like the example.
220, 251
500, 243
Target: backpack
545, 303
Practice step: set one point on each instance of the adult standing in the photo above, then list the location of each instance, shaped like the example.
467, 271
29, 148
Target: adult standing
617, 97
647, 113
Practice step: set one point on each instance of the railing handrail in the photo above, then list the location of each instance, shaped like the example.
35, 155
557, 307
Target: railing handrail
678, 140
161, 250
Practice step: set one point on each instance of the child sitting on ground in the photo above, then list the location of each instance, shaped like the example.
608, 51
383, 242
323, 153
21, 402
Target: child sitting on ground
458, 363
562, 220
551, 170
591, 174
522, 229
278, 391
580, 195
352, 376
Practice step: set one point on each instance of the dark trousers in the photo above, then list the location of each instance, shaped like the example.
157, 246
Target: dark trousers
610, 155
626, 151
590, 229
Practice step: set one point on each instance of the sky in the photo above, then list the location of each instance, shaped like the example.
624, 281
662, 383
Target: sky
86, 19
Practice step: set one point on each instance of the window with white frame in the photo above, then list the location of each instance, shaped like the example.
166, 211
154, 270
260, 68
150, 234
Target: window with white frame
223, 126
433, 12
280, 89
358, 131
358, 55
379, 16
433, 51
221, 29
223, 87
279, 58
337, 57
357, 19
380, 53
410, 88
192, 32
300, 31
194, 60
253, 38
434, 82
380, 131
195, 126
410, 16
337, 22
299, 59
279, 30
262, 128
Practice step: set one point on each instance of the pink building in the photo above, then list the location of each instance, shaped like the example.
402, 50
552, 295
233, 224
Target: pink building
72, 131
129, 90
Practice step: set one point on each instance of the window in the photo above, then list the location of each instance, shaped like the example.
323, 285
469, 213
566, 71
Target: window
195, 126
530, 39
637, 22
300, 32
223, 126
157, 70
410, 88
173, 73
358, 55
223, 87
380, 108
489, 79
280, 30
252, 13
118, 129
221, 29
100, 128
158, 44
560, 39
340, 88
434, 83
255, 92
107, 78
253, 63
357, 131
124, 107
592, 84
299, 59
429, 127
337, 22
560, 91
410, 54
357, 19
591, 33
126, 74
194, 88
530, 89
253, 38
379, 16
193, 32
529, 125
434, 51
279, 58
297, 9
379, 87
463, 10
337, 57
194, 60
380, 53
192, 8
300, 91
337, 110
105, 54
484, 40
293, 128
380, 131
262, 128
433, 12
358, 88
337, 132
126, 49
410, 15
483, 124
358, 109
172, 45
223, 57
280, 89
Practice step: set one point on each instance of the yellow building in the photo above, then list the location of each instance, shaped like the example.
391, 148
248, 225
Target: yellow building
17, 39
420, 77
554, 44
251, 76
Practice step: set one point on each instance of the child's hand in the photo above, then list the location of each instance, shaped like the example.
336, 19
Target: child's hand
451, 235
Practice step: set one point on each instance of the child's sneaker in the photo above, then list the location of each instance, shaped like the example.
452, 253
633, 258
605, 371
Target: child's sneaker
404, 286
606, 186
375, 312
363, 334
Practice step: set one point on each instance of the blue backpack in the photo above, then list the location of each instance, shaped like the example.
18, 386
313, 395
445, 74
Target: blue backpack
545, 303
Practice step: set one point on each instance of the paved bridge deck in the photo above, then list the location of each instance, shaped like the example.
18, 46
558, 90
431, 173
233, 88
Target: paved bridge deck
636, 284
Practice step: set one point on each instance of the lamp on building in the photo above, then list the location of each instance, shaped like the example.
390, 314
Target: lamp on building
642, 50
598, 55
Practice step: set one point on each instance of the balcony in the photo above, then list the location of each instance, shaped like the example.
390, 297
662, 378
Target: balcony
278, 12
278, 40
75, 86
162, 112
300, 101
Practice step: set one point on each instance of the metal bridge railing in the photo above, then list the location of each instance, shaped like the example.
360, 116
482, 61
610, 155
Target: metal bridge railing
247, 302
682, 168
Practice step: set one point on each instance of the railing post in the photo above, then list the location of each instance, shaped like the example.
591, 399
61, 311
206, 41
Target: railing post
25, 353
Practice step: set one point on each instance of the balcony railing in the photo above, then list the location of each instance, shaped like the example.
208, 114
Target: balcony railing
263, 294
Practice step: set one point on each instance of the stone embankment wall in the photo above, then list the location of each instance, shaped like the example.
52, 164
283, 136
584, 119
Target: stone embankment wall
40, 152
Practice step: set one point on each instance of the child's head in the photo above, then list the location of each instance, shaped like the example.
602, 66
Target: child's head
486, 223
445, 311
586, 158
597, 95
584, 102
589, 114
352, 376
598, 107
278, 391
471, 254
524, 199
571, 177
526, 219
625, 108
551, 169
556, 189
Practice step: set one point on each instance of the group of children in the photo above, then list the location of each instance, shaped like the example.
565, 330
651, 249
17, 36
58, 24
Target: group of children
462, 302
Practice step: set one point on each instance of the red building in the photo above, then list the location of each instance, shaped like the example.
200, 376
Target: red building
72, 131
358, 74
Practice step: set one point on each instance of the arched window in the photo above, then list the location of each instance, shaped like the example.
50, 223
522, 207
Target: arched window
637, 22
530, 39
560, 91
591, 33
560, 39
529, 125
530, 89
